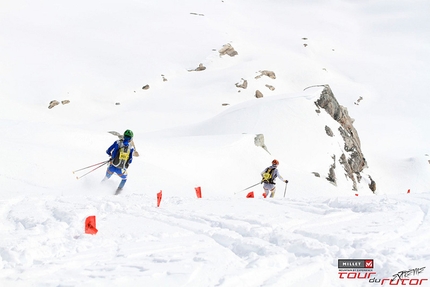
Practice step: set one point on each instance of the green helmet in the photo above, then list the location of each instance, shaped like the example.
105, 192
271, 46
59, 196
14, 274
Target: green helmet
128, 133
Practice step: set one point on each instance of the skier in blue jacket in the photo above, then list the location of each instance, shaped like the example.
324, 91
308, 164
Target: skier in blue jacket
269, 175
121, 156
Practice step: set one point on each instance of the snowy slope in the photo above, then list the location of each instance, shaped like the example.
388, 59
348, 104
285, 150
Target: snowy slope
100, 53
209, 241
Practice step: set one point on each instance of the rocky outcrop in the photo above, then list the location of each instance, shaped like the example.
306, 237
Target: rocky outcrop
352, 160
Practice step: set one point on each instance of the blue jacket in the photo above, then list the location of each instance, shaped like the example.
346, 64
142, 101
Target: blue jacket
112, 151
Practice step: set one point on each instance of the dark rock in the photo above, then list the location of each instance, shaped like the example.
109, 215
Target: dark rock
328, 131
372, 184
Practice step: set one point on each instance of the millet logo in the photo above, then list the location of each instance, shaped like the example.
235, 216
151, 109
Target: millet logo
355, 263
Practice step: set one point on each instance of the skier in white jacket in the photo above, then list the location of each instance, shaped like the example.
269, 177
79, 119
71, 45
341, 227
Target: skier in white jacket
269, 175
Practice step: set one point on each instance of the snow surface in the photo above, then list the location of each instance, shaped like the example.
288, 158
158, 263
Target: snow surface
99, 53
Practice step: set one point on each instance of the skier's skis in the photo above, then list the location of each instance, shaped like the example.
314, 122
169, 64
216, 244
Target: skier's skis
120, 136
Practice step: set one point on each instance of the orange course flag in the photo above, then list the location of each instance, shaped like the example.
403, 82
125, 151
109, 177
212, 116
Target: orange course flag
90, 225
250, 195
198, 192
159, 196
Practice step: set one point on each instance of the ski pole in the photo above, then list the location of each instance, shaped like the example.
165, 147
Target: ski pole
104, 162
285, 191
78, 177
249, 187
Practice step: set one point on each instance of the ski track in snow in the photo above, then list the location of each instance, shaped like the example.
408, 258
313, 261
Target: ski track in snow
271, 245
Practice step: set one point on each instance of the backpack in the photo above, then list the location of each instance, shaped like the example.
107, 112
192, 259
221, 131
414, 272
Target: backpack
267, 175
122, 156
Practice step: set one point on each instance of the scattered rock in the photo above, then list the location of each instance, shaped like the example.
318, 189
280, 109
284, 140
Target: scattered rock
242, 85
199, 68
272, 88
316, 174
305, 45
328, 131
117, 104
53, 103
358, 101
258, 94
145, 87
225, 104
164, 79
196, 14
227, 49
269, 74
